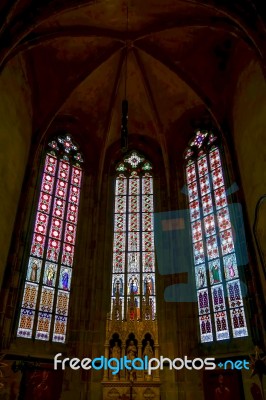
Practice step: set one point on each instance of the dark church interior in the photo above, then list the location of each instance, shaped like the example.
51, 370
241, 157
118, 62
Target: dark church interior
133, 199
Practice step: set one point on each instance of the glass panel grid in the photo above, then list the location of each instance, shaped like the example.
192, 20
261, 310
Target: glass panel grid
133, 245
42, 298
211, 233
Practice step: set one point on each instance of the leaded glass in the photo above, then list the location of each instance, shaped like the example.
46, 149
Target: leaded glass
30, 295
50, 165
76, 176
67, 254
49, 276
230, 266
193, 191
65, 278
204, 185
202, 166
56, 228
118, 262
133, 204
200, 275
59, 208
221, 325
147, 221
147, 184
227, 243
196, 231
45, 279
74, 195
212, 138
62, 303
63, 171
209, 224
43, 326
191, 172
133, 241
53, 250
198, 251
25, 325
133, 222
217, 178
234, 294
188, 153
45, 203
220, 198
120, 204
148, 284
70, 233
215, 271
120, 223
118, 284
121, 185
34, 270
134, 159
41, 223
133, 284
37, 246
148, 261
133, 245
147, 203
207, 205
147, 241
212, 247
223, 219
199, 139
67, 143
146, 166
60, 326
134, 185
215, 160
205, 328
218, 298
72, 213
239, 322
194, 210
61, 189
203, 301
47, 299
119, 241
212, 240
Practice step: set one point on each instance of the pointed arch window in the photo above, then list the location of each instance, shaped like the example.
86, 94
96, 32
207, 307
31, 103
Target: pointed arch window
45, 301
133, 247
220, 303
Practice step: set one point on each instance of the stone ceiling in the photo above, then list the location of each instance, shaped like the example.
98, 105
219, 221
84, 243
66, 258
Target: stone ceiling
178, 59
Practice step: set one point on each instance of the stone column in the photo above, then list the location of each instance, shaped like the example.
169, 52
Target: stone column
140, 374
123, 372
156, 376
106, 355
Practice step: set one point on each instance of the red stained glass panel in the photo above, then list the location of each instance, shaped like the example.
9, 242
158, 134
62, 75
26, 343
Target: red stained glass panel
72, 213
202, 166
67, 254
59, 208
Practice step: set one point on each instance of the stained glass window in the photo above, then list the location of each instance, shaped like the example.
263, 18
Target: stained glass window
133, 271
45, 301
220, 304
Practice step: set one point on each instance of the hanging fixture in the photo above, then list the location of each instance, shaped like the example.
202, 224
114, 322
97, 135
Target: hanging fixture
124, 130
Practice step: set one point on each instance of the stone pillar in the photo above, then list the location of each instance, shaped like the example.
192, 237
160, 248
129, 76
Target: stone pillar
106, 355
140, 374
156, 376
123, 372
